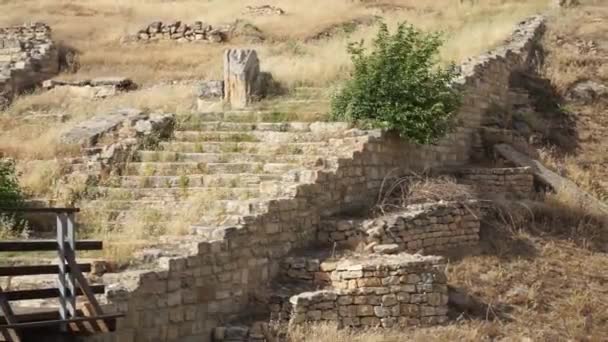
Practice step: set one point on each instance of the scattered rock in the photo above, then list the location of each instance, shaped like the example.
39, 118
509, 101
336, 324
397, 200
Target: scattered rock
211, 89
387, 249
128, 123
263, 10
244, 31
177, 31
94, 88
568, 3
587, 91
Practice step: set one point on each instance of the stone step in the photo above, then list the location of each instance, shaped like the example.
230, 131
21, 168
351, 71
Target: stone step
193, 168
255, 136
121, 208
318, 148
272, 116
163, 169
219, 126
226, 157
198, 180
171, 194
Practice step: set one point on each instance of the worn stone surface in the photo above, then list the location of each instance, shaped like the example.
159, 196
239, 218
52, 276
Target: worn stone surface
241, 77
93, 88
121, 122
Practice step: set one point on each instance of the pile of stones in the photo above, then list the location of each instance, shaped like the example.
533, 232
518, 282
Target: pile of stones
181, 32
263, 10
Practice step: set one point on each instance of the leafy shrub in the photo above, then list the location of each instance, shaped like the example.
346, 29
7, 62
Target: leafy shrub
399, 86
11, 196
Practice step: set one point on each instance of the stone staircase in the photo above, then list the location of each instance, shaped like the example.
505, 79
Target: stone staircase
215, 170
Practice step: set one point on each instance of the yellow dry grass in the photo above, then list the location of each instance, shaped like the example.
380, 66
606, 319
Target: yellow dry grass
94, 27
568, 61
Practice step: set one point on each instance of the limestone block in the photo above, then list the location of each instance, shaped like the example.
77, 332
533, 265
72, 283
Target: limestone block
241, 74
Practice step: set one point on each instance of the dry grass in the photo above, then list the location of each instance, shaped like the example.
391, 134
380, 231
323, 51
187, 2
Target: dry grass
399, 192
566, 64
95, 28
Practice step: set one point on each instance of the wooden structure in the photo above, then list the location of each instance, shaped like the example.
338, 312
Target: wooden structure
71, 317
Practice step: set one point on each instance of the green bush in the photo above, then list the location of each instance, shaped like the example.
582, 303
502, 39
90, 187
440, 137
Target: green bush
399, 86
11, 196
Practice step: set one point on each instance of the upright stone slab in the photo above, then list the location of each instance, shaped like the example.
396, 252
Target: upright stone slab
241, 75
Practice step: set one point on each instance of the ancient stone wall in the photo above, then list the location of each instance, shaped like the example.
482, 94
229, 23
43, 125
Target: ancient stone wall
379, 291
430, 228
516, 181
28, 56
187, 296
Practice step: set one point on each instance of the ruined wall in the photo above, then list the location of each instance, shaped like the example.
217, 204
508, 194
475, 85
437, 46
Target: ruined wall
432, 227
386, 291
515, 181
188, 296
28, 56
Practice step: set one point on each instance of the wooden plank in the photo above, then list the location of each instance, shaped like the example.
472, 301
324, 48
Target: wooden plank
46, 293
95, 326
93, 307
9, 334
40, 210
25, 325
46, 245
14, 271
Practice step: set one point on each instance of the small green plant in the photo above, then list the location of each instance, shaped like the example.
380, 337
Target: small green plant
184, 182
399, 86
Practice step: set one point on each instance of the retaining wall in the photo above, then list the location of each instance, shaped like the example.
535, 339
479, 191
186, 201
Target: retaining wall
186, 297
517, 181
28, 56
433, 227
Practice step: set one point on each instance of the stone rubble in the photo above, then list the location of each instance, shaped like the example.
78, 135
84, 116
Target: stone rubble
100, 87
198, 31
263, 10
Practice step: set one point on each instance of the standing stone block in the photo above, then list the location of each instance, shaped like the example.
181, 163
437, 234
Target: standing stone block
241, 77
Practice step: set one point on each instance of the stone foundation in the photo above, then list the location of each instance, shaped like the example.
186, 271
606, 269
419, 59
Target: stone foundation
382, 291
433, 227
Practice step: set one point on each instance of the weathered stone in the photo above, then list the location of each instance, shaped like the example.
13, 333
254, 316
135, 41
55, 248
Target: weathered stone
211, 89
241, 73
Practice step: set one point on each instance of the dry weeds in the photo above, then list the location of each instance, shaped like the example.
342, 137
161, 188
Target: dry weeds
399, 192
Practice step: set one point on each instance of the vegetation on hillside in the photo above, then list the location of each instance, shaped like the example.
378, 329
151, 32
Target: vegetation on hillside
11, 196
399, 86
